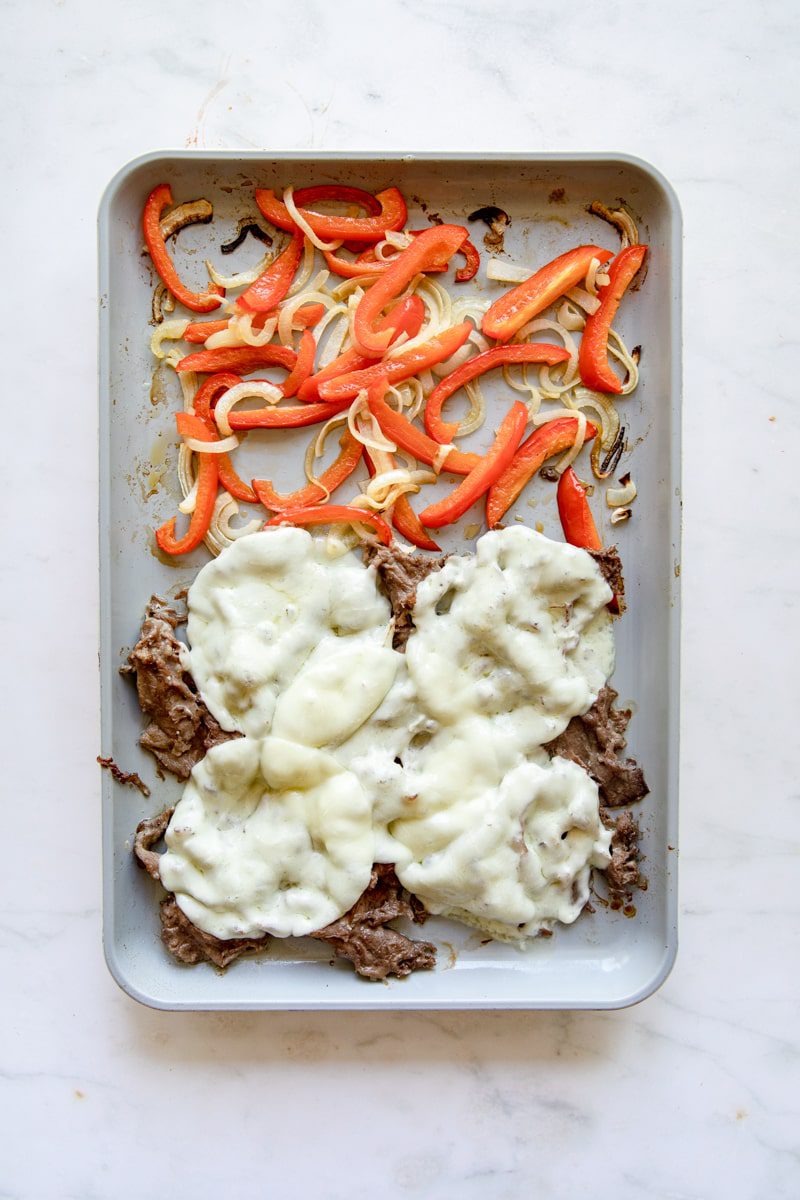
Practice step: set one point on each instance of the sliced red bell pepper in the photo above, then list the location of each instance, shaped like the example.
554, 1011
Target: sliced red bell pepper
401, 367
473, 261
355, 268
200, 302
392, 215
553, 438
330, 479
207, 393
399, 429
511, 311
406, 317
339, 192
333, 514
576, 516
302, 369
306, 317
242, 359
431, 248
593, 361
207, 485
273, 284
445, 431
409, 526
479, 480
292, 417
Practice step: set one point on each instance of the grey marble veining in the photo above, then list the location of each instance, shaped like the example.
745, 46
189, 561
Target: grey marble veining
694, 1094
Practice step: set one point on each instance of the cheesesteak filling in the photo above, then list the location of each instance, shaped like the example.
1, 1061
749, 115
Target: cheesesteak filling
471, 777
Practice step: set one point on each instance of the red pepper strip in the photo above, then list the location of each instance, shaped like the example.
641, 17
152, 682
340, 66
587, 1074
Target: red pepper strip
409, 526
189, 425
544, 442
284, 418
336, 191
445, 431
207, 482
470, 269
273, 284
156, 202
593, 355
210, 391
511, 311
399, 429
431, 248
302, 369
490, 468
329, 514
326, 225
330, 479
307, 316
576, 516
355, 269
406, 317
242, 359
403, 366
207, 393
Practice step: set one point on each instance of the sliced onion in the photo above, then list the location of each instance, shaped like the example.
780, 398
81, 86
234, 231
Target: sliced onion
621, 497
220, 533
618, 350
259, 389
327, 428
477, 409
242, 278
397, 238
166, 331
547, 387
619, 515
570, 317
506, 272
577, 445
334, 345
190, 212
440, 456
302, 223
374, 438
263, 337
189, 503
584, 299
224, 446
591, 277
306, 269
288, 308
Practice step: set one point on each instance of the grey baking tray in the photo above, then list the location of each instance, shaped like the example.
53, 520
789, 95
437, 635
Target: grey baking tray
603, 961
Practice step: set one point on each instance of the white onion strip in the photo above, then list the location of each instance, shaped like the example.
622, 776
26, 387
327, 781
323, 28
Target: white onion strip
305, 271
302, 223
167, 330
242, 278
224, 446
505, 272
259, 389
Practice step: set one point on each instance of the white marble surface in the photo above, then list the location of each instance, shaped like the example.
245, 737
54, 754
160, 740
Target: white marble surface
694, 1094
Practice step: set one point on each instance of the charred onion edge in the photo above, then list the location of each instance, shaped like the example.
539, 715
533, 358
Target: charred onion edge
244, 227
191, 212
489, 214
606, 468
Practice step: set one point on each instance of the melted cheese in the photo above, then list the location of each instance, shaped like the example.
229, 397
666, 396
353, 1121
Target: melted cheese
433, 759
269, 837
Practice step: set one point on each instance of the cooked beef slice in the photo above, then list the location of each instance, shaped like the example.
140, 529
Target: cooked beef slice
622, 873
363, 936
399, 575
610, 565
131, 778
181, 729
190, 945
595, 742
149, 833
360, 935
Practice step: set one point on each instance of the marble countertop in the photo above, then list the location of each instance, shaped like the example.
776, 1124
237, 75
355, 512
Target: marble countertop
693, 1095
